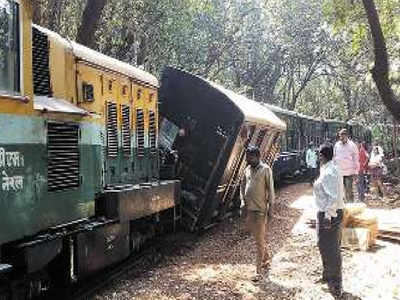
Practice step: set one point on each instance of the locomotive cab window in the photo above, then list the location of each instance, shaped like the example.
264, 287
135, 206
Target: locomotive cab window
9, 48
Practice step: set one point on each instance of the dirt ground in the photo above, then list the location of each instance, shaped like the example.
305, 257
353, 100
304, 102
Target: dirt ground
220, 264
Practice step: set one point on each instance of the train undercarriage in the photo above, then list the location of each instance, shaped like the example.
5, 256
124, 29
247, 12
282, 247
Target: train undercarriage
126, 218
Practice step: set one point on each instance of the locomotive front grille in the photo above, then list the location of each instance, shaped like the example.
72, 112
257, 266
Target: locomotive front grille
112, 130
126, 130
140, 132
152, 132
40, 62
63, 156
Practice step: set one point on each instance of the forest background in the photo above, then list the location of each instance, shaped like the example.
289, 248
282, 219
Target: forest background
311, 56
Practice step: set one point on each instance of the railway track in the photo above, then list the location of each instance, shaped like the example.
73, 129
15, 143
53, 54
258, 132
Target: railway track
95, 284
151, 254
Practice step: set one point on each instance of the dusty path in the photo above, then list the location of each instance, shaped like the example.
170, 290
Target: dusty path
220, 264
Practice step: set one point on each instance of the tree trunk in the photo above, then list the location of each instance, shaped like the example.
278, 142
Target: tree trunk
55, 7
396, 164
142, 52
380, 72
347, 99
37, 12
90, 21
394, 139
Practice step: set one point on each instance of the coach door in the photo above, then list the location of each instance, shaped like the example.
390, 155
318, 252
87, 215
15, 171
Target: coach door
238, 155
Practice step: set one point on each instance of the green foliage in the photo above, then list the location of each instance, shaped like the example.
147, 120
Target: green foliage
382, 134
309, 55
359, 35
349, 16
349, 22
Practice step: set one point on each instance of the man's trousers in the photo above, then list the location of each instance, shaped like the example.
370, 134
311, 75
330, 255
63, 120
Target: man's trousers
256, 224
348, 188
361, 186
329, 242
312, 174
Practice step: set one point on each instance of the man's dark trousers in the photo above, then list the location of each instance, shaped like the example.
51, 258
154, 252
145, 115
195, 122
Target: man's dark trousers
329, 242
312, 174
348, 188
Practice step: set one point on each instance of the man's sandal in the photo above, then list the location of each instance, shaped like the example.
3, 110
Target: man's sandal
266, 264
257, 278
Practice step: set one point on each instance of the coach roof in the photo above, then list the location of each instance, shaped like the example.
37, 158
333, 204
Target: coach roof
281, 110
252, 110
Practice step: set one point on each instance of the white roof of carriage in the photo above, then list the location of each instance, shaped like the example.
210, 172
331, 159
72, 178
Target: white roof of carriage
98, 59
279, 109
253, 111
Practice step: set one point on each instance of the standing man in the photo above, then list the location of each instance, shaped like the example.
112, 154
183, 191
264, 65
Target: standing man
346, 158
362, 183
312, 162
257, 192
328, 194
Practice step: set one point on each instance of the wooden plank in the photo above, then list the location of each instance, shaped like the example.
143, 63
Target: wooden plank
389, 232
358, 238
389, 229
389, 238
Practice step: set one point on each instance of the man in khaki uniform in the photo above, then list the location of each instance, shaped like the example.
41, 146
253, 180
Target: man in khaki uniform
257, 192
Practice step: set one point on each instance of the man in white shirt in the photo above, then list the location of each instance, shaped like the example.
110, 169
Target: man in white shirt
312, 162
346, 158
328, 193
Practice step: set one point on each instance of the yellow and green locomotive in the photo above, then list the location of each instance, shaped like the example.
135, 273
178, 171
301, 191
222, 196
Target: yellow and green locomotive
78, 155
80, 163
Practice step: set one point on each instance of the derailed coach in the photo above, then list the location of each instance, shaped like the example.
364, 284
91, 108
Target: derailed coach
210, 128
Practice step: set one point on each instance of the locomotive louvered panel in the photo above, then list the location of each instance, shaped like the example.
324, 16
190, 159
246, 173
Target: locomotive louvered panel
63, 156
40, 63
126, 130
140, 132
152, 132
112, 130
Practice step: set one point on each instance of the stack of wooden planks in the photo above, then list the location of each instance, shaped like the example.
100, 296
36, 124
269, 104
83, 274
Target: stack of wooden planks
362, 226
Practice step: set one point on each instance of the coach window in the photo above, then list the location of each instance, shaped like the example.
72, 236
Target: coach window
9, 48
